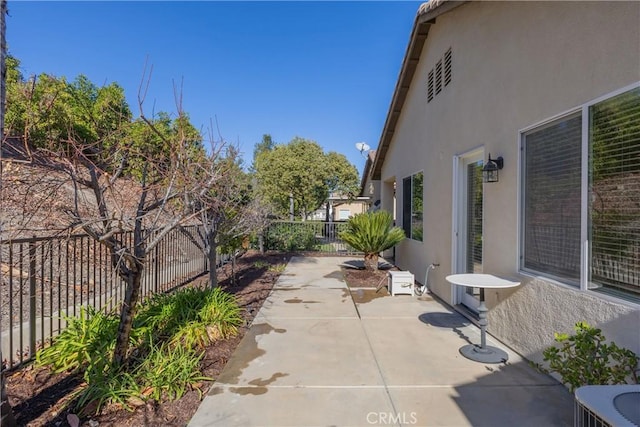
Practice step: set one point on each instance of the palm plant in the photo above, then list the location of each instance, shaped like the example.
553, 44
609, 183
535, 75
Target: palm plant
371, 233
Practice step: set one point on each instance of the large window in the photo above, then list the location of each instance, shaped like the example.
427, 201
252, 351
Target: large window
583, 226
412, 206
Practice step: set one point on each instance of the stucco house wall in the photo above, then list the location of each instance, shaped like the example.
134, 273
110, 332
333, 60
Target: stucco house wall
514, 64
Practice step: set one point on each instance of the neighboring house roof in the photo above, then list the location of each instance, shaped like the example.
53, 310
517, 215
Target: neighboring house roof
426, 16
371, 156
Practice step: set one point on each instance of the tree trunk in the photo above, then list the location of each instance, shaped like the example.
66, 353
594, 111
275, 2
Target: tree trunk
371, 262
213, 259
6, 413
127, 313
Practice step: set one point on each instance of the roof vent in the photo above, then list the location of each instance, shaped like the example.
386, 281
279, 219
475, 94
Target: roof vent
439, 76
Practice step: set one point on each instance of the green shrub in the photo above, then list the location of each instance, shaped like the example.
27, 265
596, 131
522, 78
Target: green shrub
585, 359
87, 339
170, 371
193, 316
166, 332
291, 237
107, 384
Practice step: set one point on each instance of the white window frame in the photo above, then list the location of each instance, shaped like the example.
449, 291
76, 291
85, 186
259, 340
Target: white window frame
584, 204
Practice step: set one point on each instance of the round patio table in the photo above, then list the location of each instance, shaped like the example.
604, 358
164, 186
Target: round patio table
483, 353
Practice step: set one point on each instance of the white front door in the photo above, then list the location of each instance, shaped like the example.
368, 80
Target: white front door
469, 224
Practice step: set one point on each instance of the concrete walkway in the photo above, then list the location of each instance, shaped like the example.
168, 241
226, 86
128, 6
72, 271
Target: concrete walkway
320, 355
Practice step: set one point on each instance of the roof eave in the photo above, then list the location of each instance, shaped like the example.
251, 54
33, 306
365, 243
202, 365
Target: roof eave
427, 13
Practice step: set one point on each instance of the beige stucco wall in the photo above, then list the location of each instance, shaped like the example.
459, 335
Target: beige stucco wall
515, 64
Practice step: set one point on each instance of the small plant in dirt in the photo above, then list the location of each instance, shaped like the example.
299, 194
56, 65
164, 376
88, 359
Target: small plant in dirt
586, 359
371, 233
277, 268
261, 264
169, 333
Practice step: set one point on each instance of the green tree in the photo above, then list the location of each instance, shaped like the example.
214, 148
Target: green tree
372, 233
342, 175
301, 172
47, 111
265, 145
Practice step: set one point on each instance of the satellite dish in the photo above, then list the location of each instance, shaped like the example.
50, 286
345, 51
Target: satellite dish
362, 147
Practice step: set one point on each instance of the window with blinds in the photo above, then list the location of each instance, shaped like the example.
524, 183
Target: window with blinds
552, 206
474, 218
552, 180
614, 190
412, 206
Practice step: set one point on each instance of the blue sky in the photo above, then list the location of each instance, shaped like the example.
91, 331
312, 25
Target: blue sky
319, 70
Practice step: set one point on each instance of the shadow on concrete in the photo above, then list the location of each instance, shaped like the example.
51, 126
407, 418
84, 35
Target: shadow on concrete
358, 264
515, 395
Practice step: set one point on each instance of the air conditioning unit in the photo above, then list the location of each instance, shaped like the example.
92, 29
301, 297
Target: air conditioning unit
607, 406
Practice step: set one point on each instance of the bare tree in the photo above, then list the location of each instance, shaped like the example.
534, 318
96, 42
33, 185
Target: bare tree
168, 189
232, 212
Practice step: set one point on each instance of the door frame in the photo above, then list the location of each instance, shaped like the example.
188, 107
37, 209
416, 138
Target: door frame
458, 221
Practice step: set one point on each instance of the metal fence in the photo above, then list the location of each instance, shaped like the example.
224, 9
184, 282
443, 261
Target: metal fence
45, 278
309, 236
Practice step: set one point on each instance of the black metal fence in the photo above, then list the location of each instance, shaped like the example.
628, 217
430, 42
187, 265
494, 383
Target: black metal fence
45, 278
309, 236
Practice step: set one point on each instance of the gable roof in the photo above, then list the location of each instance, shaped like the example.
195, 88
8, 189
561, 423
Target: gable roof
426, 16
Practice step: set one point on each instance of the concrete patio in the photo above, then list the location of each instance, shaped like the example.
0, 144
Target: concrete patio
319, 354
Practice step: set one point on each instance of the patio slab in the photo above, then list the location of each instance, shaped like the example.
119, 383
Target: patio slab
310, 302
319, 354
289, 406
303, 352
480, 405
427, 355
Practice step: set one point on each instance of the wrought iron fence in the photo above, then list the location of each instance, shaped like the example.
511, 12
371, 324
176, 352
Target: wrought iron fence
44, 278
309, 236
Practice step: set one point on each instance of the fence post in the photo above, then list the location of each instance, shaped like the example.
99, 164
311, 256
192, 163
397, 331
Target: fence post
156, 260
32, 297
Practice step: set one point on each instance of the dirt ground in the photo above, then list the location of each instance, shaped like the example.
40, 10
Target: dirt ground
38, 397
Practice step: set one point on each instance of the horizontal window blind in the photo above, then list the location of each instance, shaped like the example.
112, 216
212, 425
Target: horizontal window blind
416, 207
614, 209
474, 218
552, 182
406, 206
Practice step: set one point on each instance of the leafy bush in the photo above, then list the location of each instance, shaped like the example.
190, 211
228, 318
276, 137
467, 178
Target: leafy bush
585, 359
170, 370
195, 317
87, 340
299, 236
167, 331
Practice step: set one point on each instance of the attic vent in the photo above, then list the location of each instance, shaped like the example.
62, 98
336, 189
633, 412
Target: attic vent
439, 76
447, 67
430, 86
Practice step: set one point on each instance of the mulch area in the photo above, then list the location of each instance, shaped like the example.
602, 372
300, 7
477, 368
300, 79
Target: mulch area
38, 396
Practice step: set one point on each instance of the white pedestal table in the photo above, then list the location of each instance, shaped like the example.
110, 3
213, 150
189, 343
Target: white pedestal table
483, 353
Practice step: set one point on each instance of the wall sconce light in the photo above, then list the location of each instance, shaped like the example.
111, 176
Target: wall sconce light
491, 168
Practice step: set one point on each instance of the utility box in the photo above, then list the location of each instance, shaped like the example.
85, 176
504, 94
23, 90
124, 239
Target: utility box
400, 282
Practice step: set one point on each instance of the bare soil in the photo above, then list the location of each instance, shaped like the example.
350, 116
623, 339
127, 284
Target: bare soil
38, 397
